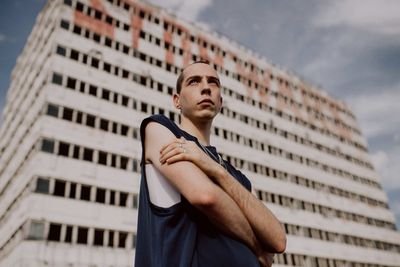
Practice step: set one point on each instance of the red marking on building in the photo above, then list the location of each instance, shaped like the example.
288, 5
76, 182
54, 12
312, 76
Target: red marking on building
339, 128
265, 82
95, 25
136, 25
169, 54
187, 50
202, 48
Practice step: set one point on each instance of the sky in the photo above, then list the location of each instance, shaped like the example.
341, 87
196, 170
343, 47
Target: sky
349, 48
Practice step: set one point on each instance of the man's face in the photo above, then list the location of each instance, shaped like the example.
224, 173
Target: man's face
200, 96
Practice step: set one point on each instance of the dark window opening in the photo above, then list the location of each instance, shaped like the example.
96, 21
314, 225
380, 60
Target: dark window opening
88, 154
90, 120
68, 234
42, 186
74, 54
54, 232
59, 188
47, 146
72, 190
93, 90
85, 192
101, 195
71, 83
122, 199
57, 79
63, 149
52, 110
67, 114
98, 237
102, 158
82, 235
122, 239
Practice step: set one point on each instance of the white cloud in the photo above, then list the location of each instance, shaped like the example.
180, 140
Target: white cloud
186, 9
377, 112
378, 16
387, 165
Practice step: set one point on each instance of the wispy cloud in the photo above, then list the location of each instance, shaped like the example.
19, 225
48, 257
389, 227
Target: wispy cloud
371, 15
376, 112
186, 9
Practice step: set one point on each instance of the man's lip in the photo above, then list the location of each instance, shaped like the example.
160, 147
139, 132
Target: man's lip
206, 101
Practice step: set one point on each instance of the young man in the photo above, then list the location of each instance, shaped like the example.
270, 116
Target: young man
196, 209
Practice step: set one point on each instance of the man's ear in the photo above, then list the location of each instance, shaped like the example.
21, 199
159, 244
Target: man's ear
175, 99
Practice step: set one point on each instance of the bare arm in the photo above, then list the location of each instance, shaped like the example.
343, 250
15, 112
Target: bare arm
199, 190
264, 224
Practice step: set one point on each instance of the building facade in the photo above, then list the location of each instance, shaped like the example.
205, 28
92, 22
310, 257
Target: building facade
70, 150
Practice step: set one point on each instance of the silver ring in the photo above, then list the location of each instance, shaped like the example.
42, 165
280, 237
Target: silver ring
183, 150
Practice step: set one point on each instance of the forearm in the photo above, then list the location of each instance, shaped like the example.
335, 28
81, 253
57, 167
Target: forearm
264, 224
226, 215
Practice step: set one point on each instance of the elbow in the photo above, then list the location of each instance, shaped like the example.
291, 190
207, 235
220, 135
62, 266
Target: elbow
281, 245
204, 200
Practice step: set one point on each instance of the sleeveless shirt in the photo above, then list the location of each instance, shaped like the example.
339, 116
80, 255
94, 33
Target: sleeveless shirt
180, 235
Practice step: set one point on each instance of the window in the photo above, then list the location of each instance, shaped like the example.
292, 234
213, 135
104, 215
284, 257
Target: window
122, 199
72, 190
54, 232
101, 195
64, 24
105, 94
63, 149
124, 130
59, 188
93, 90
102, 158
111, 238
90, 120
82, 235
61, 51
88, 154
57, 79
85, 192
36, 231
122, 239
77, 29
79, 117
112, 197
74, 54
52, 110
68, 234
98, 237
42, 186
104, 124
47, 146
95, 63
75, 154
67, 114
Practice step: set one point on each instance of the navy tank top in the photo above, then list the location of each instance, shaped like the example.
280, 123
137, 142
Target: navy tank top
180, 235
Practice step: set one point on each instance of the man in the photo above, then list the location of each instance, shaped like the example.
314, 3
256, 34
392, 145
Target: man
196, 209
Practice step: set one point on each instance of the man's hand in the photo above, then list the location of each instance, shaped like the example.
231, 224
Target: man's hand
181, 149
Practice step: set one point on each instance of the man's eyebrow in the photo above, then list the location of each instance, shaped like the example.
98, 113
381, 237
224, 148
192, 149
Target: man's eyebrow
199, 77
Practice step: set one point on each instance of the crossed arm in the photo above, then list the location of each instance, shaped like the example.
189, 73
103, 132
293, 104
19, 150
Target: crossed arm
212, 190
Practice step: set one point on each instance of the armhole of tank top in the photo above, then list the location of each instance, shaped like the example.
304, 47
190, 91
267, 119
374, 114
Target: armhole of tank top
168, 192
162, 194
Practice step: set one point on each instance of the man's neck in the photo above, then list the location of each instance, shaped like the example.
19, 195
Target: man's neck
199, 129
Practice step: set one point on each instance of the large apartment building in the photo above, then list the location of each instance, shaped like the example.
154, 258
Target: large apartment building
91, 70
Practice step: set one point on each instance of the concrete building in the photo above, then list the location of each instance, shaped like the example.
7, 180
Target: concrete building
91, 70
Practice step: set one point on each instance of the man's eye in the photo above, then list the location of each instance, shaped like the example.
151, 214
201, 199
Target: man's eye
192, 82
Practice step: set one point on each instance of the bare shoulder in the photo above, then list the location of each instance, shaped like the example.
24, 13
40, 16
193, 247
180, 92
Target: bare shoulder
156, 136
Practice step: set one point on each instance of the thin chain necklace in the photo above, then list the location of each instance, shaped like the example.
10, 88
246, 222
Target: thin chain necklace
209, 153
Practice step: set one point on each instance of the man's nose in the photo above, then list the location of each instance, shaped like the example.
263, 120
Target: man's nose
205, 88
